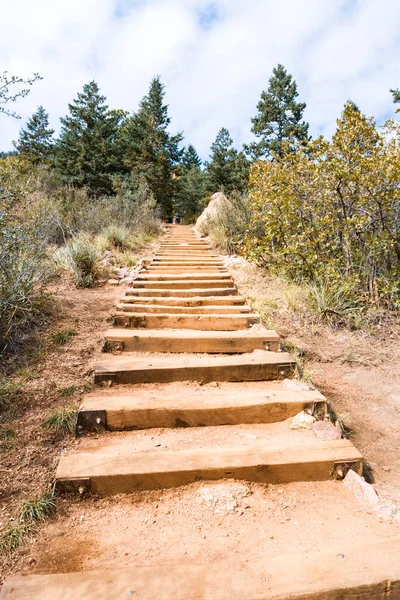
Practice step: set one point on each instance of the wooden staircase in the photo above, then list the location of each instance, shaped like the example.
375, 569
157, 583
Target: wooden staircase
183, 320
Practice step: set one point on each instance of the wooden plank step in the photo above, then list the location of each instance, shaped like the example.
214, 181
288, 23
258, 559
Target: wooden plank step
193, 301
192, 265
118, 470
186, 246
127, 306
256, 366
366, 571
189, 340
187, 260
144, 408
185, 283
216, 322
187, 275
183, 293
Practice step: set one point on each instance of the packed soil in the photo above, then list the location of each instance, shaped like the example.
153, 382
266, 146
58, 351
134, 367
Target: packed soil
200, 524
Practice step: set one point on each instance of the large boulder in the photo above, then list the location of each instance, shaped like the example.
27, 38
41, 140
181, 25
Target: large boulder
217, 201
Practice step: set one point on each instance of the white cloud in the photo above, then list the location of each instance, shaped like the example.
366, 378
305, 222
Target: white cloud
215, 57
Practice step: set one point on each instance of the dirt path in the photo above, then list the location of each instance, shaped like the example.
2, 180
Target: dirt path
188, 480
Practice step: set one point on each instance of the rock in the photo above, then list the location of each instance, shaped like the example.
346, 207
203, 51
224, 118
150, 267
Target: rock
113, 282
302, 421
387, 511
325, 431
217, 202
363, 491
224, 498
127, 280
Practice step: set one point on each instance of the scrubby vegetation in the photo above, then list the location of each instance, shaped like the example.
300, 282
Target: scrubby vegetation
322, 213
328, 212
31, 513
62, 420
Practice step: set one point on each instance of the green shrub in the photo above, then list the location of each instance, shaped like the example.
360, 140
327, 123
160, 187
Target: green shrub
334, 302
82, 258
62, 421
38, 509
86, 261
9, 394
24, 270
68, 391
118, 236
31, 513
330, 209
60, 338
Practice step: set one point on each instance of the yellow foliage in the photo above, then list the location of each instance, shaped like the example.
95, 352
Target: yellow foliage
330, 210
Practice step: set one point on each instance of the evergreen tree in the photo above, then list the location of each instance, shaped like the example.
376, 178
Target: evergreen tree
85, 154
396, 97
151, 152
228, 169
190, 159
190, 194
279, 117
36, 141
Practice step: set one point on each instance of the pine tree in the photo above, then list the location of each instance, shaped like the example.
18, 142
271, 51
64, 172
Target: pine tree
190, 159
228, 169
279, 118
36, 140
151, 152
191, 191
396, 97
85, 154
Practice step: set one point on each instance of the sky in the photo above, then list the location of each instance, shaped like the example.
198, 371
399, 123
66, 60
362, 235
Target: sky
215, 58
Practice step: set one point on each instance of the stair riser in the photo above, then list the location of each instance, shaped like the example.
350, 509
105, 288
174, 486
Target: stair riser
187, 275
316, 470
202, 322
203, 374
182, 269
159, 344
180, 301
183, 293
127, 419
181, 285
195, 310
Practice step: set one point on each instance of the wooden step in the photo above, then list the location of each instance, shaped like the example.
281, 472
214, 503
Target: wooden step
183, 293
127, 306
118, 470
345, 572
186, 276
256, 366
217, 322
180, 267
180, 254
189, 340
190, 301
144, 407
182, 284
187, 260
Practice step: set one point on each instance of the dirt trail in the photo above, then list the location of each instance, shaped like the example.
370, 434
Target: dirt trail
187, 481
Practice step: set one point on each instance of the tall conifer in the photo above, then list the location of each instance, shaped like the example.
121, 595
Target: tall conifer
85, 150
151, 152
227, 169
36, 140
279, 117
